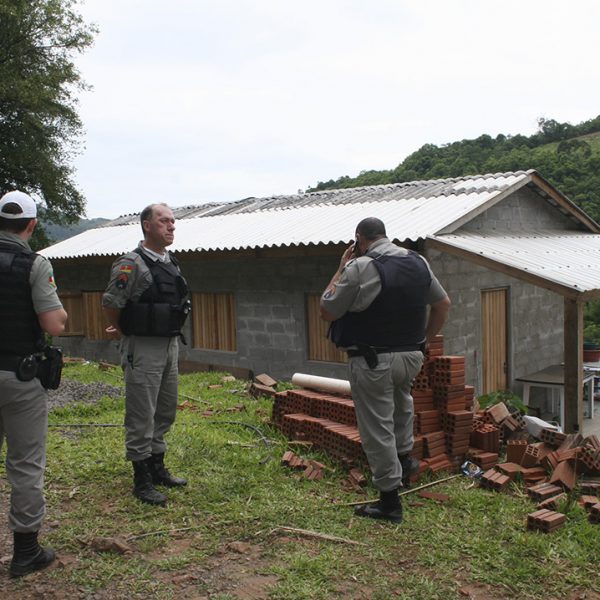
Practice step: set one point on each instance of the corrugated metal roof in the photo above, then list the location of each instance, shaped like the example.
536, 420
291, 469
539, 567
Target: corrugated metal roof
432, 188
568, 258
411, 211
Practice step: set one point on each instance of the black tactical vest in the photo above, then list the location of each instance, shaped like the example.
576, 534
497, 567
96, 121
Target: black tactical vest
20, 331
162, 308
397, 317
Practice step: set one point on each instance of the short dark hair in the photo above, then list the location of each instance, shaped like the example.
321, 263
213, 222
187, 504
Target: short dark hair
371, 228
13, 225
148, 213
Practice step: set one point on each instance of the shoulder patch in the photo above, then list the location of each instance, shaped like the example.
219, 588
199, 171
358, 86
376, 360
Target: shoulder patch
122, 281
329, 293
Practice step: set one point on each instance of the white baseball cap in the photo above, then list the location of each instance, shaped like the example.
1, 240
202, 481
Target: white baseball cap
28, 208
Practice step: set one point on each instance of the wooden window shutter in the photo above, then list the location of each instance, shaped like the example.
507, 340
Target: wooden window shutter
95, 323
319, 347
214, 321
73, 303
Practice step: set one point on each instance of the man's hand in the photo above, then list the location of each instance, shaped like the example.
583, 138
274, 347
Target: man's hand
113, 332
349, 254
112, 317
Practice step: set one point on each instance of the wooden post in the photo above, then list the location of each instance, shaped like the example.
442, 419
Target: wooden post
573, 358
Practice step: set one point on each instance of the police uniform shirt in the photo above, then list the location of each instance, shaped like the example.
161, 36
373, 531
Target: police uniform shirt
41, 278
130, 277
360, 283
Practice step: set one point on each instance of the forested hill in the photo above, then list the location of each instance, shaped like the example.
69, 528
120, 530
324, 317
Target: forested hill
566, 155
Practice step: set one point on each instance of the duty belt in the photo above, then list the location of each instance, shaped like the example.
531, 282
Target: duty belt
9, 363
369, 353
383, 350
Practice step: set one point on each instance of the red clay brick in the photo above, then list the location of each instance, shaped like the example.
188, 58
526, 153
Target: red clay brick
564, 475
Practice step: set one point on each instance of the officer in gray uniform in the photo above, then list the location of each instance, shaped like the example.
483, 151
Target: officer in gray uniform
377, 302
29, 306
147, 302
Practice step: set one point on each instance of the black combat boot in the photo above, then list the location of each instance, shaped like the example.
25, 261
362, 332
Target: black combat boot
28, 555
161, 475
410, 466
142, 484
388, 508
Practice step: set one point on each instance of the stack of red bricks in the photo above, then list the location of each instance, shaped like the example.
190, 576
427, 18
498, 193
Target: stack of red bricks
326, 420
442, 425
443, 410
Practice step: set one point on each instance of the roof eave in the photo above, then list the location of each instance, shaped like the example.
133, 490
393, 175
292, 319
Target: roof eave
563, 201
501, 267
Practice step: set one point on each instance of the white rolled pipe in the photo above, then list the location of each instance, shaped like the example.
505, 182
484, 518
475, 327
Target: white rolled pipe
322, 384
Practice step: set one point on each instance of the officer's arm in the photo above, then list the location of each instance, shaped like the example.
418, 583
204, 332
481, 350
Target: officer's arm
53, 321
112, 316
437, 317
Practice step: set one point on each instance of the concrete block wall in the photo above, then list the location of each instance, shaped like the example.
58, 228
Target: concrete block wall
522, 210
270, 299
535, 319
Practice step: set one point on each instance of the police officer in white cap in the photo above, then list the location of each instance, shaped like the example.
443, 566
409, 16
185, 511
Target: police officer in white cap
29, 306
147, 301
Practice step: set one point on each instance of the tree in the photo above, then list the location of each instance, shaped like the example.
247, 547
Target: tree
39, 124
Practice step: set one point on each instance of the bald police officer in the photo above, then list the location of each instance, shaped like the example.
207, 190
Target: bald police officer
377, 303
29, 306
147, 302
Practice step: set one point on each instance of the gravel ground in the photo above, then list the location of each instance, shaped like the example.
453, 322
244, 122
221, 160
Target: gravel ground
86, 393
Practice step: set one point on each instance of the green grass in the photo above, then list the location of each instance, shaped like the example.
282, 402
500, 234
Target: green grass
238, 491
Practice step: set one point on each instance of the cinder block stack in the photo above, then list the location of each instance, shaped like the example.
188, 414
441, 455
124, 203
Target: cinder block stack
545, 520
486, 437
469, 397
427, 421
434, 444
485, 460
457, 426
422, 400
515, 449
543, 491
328, 421
494, 480
440, 404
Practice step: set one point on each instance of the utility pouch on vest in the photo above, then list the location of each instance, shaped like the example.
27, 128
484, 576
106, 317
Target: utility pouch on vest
50, 368
27, 368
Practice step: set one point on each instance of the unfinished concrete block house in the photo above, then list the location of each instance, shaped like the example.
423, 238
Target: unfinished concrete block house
516, 256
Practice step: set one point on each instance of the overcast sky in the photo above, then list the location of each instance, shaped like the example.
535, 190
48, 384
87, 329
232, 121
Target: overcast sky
217, 100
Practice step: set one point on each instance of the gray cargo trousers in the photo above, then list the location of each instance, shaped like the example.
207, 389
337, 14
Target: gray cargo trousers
385, 412
151, 383
24, 424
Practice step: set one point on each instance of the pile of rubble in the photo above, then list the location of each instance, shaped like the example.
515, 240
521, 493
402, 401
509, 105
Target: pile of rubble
551, 469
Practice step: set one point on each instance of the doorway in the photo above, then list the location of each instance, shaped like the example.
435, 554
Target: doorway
494, 340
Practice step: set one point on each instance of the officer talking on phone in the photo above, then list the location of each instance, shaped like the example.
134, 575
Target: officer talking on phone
30, 307
377, 304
